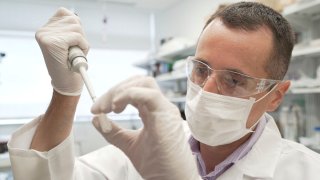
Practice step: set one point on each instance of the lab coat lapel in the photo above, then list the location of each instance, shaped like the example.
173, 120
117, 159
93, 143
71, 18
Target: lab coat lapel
260, 162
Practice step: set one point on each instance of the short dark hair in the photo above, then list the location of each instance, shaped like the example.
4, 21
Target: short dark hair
251, 16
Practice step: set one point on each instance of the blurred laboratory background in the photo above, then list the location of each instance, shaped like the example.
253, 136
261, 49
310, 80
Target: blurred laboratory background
141, 37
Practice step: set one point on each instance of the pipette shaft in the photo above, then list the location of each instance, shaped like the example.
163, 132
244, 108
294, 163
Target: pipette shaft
78, 63
87, 82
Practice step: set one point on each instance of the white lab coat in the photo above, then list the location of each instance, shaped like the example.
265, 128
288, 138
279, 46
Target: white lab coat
270, 158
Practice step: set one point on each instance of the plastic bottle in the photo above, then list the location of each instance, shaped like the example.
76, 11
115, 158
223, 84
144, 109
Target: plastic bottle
317, 136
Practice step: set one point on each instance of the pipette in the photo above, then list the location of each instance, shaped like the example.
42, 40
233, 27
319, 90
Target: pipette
77, 62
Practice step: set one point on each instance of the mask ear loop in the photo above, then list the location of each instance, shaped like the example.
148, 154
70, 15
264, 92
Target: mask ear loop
255, 124
274, 87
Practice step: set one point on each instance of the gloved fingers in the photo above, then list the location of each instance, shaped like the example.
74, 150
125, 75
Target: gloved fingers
63, 21
121, 138
76, 39
150, 82
144, 86
63, 25
148, 101
61, 30
62, 40
63, 12
138, 97
104, 103
142, 81
138, 81
77, 29
69, 18
104, 125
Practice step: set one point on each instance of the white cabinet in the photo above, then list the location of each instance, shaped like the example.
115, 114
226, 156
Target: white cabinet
304, 71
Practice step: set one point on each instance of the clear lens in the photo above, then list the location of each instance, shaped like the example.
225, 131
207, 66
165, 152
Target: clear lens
229, 83
198, 72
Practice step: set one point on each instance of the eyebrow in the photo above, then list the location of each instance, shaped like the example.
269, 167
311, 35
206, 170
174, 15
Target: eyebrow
238, 71
229, 69
203, 61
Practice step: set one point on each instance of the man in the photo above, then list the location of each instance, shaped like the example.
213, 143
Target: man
235, 77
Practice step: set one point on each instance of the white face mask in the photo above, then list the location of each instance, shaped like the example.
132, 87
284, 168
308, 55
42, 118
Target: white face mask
215, 119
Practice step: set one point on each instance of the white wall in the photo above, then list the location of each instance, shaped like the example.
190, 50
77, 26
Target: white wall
185, 19
127, 28
25, 88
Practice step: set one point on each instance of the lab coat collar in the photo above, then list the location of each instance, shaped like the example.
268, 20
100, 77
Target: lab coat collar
260, 162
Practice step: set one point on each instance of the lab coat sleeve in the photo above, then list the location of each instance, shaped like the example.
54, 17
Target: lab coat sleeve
58, 163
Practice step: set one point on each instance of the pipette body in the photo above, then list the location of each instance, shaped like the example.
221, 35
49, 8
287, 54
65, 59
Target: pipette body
77, 62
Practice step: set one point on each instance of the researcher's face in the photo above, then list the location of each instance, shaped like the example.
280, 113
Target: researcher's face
247, 52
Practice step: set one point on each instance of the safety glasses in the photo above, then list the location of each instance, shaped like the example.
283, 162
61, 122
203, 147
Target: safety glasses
229, 83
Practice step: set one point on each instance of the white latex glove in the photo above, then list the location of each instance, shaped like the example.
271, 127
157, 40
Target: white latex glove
61, 32
159, 150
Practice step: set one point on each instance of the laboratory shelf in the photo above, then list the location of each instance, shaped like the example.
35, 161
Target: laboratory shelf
309, 90
308, 9
315, 148
14, 121
178, 99
306, 51
144, 63
171, 77
177, 54
302, 15
166, 57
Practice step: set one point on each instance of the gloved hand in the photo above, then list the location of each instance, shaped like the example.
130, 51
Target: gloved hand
61, 32
159, 150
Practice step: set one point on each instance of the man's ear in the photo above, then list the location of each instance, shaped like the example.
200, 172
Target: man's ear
278, 95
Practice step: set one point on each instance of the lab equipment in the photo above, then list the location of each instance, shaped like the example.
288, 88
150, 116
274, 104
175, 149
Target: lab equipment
317, 136
292, 122
77, 62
